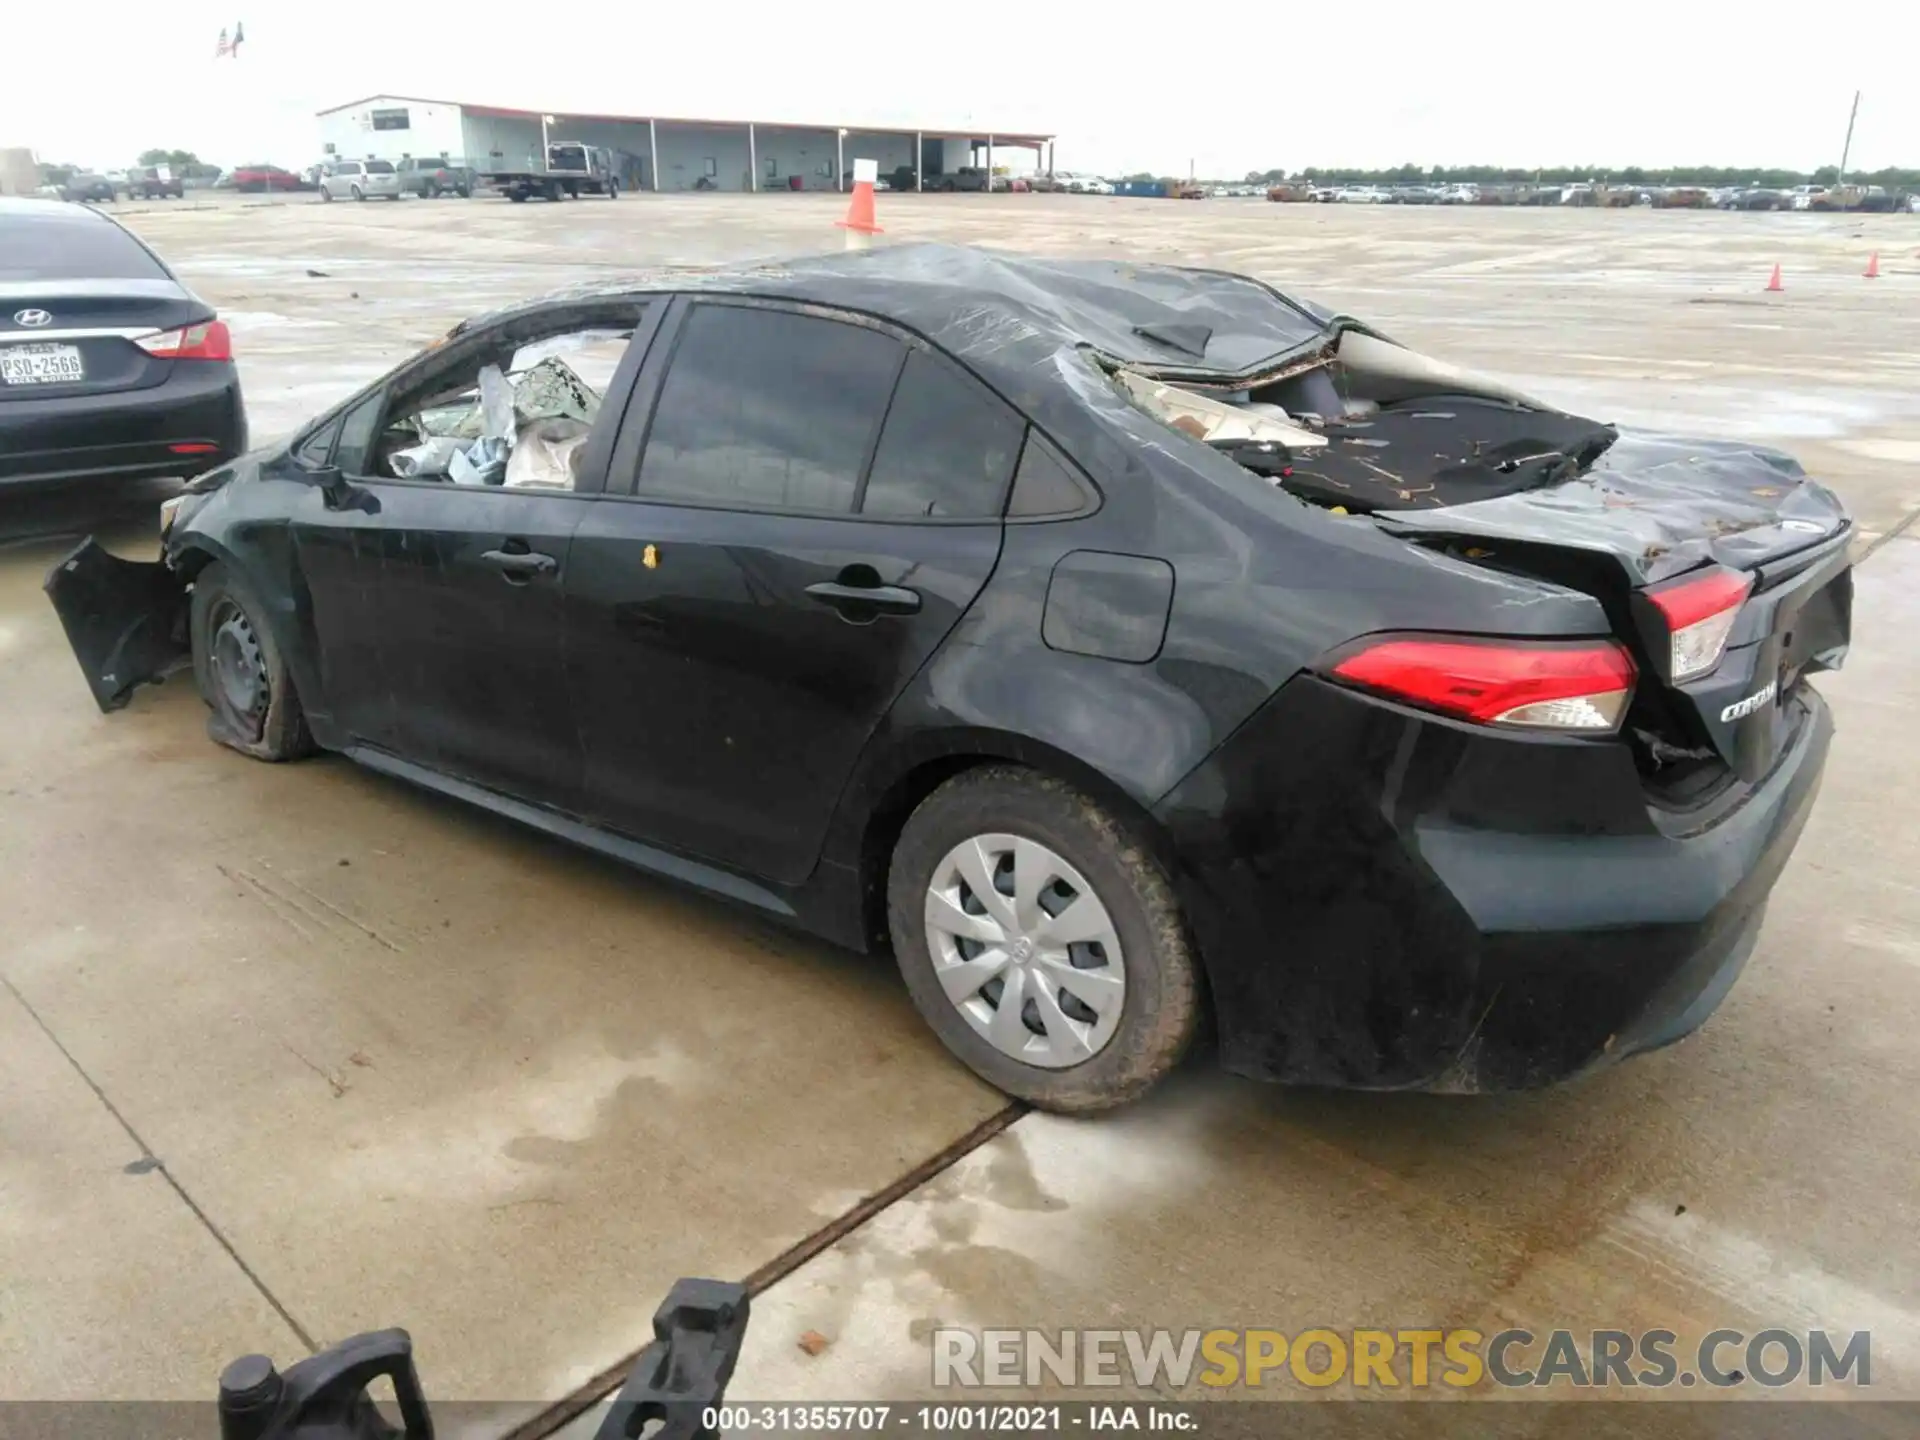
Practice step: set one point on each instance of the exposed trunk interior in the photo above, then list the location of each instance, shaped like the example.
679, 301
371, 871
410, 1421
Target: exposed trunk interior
1377, 427
1370, 428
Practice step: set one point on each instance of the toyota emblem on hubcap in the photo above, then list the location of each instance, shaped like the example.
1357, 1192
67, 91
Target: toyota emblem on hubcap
32, 317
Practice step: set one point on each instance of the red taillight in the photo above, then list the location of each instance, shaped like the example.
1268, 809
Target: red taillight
193, 447
1700, 611
1543, 685
210, 341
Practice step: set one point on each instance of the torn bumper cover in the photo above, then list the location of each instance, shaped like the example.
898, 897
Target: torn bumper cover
1388, 900
126, 619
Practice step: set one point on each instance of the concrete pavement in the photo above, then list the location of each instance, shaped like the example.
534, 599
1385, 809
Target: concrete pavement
405, 1064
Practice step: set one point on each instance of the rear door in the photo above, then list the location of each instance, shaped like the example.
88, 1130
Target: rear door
808, 507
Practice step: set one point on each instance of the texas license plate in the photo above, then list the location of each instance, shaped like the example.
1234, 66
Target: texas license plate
41, 365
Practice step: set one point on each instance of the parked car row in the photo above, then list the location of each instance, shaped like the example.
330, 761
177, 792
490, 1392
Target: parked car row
143, 182
1603, 194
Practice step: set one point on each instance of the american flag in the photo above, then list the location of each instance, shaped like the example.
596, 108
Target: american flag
231, 47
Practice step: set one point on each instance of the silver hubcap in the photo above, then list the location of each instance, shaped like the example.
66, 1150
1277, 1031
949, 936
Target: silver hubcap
1025, 950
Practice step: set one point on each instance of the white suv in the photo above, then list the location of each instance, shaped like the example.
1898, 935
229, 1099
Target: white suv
360, 180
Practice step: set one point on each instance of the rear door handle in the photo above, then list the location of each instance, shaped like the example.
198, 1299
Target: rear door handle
851, 600
520, 565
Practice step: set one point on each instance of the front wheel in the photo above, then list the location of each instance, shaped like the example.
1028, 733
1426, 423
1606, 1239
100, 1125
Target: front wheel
240, 671
325, 193
613, 189
1041, 941
358, 193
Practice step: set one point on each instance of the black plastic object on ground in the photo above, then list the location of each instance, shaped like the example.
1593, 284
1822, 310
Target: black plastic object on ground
126, 619
679, 1378
676, 1381
324, 1397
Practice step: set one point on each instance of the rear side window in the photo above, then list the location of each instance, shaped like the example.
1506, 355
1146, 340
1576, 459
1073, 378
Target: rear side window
948, 448
71, 244
768, 410
1045, 484
380, 167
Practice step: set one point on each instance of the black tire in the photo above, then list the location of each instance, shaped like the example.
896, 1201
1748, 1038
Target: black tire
613, 189
433, 190
325, 194
518, 195
464, 192
358, 193
241, 673
1160, 1011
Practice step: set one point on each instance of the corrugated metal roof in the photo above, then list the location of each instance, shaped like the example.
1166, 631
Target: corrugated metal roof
1009, 137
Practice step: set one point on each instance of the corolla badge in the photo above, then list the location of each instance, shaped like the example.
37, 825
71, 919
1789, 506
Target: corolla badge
1742, 708
32, 318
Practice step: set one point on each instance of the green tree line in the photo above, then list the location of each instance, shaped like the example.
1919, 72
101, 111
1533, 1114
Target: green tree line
1893, 177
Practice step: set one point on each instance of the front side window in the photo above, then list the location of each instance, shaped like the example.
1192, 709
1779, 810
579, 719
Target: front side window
359, 427
768, 410
313, 452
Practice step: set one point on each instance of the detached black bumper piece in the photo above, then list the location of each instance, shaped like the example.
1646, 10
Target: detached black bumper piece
193, 421
125, 619
1387, 900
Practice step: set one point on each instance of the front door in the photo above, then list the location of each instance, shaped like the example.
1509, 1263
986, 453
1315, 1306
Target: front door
437, 606
782, 567
473, 640
439, 627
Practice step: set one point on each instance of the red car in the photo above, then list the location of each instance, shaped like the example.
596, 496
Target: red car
259, 179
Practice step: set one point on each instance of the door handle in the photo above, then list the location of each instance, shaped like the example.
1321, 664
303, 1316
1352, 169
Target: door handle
852, 600
519, 566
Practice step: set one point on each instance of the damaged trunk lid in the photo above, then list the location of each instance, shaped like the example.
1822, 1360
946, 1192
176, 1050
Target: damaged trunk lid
1721, 566
1724, 568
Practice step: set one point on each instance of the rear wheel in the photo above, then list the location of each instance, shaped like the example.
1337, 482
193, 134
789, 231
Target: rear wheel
325, 193
241, 673
433, 190
613, 189
1041, 941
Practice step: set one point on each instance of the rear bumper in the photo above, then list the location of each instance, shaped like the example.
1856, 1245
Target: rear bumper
1386, 900
127, 434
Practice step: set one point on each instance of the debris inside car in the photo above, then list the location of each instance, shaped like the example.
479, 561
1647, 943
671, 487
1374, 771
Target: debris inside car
1106, 639
522, 430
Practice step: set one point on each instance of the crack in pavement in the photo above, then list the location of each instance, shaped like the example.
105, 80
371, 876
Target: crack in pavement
583, 1397
154, 1162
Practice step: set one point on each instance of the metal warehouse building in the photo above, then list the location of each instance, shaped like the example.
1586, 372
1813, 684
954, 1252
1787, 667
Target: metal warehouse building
659, 152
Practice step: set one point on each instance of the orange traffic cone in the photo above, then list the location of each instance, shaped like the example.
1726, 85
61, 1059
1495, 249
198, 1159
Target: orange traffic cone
1774, 283
860, 224
1873, 266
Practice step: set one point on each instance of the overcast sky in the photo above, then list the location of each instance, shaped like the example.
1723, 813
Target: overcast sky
1140, 87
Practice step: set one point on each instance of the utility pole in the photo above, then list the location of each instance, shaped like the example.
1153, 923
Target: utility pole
1840, 180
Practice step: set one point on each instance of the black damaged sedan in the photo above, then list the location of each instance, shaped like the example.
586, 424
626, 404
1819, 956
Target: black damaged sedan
1130, 649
